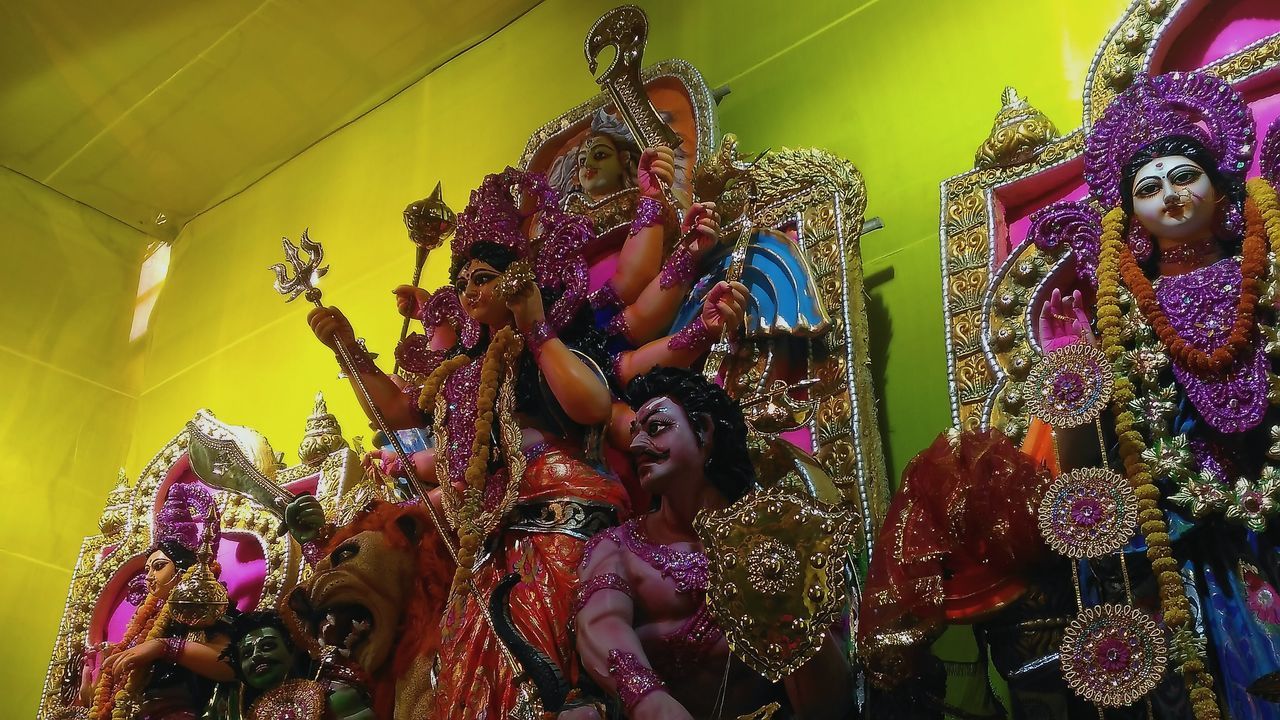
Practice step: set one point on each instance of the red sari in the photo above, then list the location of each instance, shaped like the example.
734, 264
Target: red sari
476, 680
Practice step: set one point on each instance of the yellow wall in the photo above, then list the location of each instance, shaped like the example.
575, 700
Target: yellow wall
905, 88
68, 277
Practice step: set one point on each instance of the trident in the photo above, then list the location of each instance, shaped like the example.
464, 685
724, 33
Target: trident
301, 283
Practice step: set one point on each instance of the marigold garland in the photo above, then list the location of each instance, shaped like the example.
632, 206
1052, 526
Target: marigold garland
104, 687
1262, 213
502, 353
1253, 268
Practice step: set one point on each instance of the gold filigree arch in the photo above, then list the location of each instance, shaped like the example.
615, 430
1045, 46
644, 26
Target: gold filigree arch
990, 283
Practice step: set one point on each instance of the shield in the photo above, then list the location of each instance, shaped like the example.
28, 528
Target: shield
778, 575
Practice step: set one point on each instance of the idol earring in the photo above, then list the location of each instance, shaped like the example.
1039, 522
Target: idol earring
1139, 240
1231, 223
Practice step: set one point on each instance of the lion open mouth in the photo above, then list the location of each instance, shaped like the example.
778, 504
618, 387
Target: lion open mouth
345, 626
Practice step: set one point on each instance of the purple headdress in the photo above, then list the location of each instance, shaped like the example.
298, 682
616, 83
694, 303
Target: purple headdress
495, 214
1074, 225
186, 506
1194, 105
1271, 153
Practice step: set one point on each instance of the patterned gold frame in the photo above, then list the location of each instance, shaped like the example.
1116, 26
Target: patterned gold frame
823, 197
987, 309
126, 531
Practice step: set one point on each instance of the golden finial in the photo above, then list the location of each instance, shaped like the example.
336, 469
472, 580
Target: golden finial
116, 513
1019, 133
323, 435
199, 599
429, 220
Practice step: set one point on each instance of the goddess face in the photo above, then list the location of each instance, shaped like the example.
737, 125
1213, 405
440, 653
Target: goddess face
161, 573
265, 658
477, 287
1174, 198
666, 445
601, 167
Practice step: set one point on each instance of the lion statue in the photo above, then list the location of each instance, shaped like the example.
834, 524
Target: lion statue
378, 594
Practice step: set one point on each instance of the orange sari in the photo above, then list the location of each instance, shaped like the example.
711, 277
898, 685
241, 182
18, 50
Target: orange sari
476, 673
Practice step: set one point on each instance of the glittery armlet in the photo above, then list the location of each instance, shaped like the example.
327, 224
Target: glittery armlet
619, 326
679, 268
633, 679
649, 212
539, 335
606, 581
173, 647
606, 298
694, 335
360, 360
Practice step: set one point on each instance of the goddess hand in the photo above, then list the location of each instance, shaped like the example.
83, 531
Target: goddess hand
1063, 322
410, 300
655, 169
703, 221
331, 327
526, 307
138, 657
724, 307
304, 517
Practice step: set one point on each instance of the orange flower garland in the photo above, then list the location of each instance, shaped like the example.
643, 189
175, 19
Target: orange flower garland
1253, 267
105, 687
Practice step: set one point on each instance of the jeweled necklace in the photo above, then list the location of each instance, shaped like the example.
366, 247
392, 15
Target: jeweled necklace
1252, 269
687, 568
1195, 251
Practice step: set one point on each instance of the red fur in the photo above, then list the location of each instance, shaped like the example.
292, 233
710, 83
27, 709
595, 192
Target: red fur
420, 632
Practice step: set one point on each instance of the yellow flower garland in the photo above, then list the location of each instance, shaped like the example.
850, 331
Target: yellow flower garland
1173, 599
503, 351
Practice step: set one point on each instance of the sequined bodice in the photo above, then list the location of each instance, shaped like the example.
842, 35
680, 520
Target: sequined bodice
1201, 306
460, 391
689, 646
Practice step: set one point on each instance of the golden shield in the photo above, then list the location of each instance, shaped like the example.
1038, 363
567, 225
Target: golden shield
778, 575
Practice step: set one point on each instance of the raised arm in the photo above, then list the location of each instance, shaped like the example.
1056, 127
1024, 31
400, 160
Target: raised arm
581, 392
398, 409
200, 658
652, 312
641, 254
722, 311
607, 642
1063, 321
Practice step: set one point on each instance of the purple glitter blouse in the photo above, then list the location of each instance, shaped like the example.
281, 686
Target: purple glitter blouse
1201, 305
460, 392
